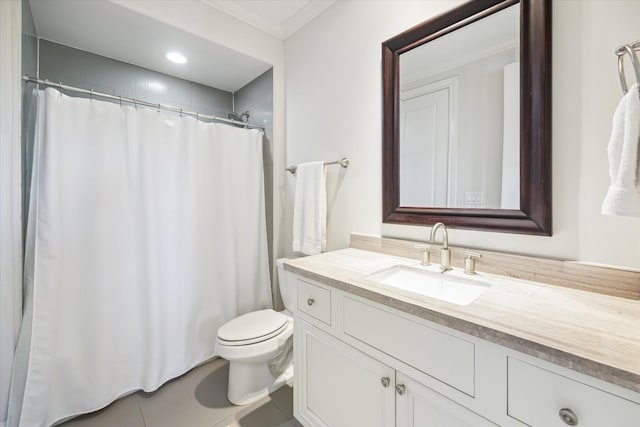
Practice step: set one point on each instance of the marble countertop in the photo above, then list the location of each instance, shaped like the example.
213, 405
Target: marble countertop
598, 335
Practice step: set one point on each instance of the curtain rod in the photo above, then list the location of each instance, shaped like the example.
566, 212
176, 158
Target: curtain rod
135, 102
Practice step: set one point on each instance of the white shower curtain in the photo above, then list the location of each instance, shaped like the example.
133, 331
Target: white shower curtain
146, 233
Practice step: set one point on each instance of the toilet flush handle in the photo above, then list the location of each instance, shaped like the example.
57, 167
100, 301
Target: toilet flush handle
310, 301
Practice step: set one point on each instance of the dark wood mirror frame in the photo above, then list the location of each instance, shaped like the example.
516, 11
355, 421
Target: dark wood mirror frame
534, 216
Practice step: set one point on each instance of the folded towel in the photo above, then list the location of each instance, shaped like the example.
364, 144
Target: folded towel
310, 209
623, 196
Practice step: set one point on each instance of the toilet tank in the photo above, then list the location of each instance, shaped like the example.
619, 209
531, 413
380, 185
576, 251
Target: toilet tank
286, 288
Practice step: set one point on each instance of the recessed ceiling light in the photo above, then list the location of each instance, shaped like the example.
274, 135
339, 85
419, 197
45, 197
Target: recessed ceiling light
176, 57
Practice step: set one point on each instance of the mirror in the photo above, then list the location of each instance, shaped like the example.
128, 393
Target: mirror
459, 142
466, 99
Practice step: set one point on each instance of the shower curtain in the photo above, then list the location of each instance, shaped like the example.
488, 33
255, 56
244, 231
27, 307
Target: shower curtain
146, 233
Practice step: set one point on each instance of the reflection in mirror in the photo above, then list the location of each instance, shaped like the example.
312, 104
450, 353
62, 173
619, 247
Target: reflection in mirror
459, 117
467, 119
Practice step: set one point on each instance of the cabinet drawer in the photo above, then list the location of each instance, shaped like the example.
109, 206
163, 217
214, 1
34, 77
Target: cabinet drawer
314, 301
437, 354
536, 397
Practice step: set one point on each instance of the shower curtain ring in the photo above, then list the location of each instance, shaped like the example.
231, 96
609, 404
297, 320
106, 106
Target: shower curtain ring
121, 100
91, 95
197, 114
181, 112
158, 107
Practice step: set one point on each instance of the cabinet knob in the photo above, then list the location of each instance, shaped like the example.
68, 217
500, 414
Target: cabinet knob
401, 389
568, 417
385, 381
310, 301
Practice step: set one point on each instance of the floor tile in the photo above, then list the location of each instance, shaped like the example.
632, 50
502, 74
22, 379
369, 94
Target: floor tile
292, 423
264, 415
197, 399
283, 398
122, 412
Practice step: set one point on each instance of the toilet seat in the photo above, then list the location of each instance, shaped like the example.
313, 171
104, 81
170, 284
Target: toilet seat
252, 328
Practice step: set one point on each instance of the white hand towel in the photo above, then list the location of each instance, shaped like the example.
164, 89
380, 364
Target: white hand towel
623, 197
310, 209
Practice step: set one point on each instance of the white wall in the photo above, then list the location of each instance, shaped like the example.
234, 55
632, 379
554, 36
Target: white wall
334, 106
10, 192
334, 110
600, 28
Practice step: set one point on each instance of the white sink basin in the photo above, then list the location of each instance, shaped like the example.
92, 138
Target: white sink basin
447, 286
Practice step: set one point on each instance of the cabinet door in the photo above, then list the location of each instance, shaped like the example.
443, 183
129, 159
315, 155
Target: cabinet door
419, 406
337, 386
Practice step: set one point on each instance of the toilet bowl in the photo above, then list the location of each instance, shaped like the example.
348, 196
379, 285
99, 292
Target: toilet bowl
259, 348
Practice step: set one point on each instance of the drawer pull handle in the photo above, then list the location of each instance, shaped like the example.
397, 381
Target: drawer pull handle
401, 389
568, 417
385, 381
310, 301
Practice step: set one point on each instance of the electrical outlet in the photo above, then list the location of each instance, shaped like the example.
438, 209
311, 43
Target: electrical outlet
474, 199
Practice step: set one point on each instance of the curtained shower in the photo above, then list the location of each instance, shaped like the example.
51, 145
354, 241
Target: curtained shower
146, 233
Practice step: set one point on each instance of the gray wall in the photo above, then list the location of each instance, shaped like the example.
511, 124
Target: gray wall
74, 67
30, 67
29, 41
257, 97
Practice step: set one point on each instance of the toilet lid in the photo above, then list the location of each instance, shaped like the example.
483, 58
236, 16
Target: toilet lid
253, 327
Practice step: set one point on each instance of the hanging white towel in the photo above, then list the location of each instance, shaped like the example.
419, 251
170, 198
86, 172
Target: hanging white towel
623, 196
310, 209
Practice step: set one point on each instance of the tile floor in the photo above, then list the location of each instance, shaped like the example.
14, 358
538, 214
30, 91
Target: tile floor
196, 399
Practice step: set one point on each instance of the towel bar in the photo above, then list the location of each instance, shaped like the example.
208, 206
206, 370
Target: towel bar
621, 51
344, 162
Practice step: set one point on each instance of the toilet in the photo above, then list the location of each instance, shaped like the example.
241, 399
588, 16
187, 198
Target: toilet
259, 348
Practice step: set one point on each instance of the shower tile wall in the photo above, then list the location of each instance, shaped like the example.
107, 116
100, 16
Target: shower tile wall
29, 42
30, 67
60, 63
257, 97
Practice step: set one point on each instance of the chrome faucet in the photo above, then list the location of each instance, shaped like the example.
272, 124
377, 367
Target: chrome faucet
445, 254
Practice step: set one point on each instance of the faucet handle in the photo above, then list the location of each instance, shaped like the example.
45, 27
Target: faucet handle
426, 255
470, 261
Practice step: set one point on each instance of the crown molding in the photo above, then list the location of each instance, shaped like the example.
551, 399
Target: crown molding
286, 29
308, 13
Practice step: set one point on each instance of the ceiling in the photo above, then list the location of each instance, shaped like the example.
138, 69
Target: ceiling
89, 26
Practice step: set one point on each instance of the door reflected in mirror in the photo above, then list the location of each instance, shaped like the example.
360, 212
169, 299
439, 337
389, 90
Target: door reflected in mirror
459, 121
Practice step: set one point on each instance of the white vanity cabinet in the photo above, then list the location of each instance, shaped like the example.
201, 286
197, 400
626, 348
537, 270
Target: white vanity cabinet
362, 364
346, 388
347, 355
